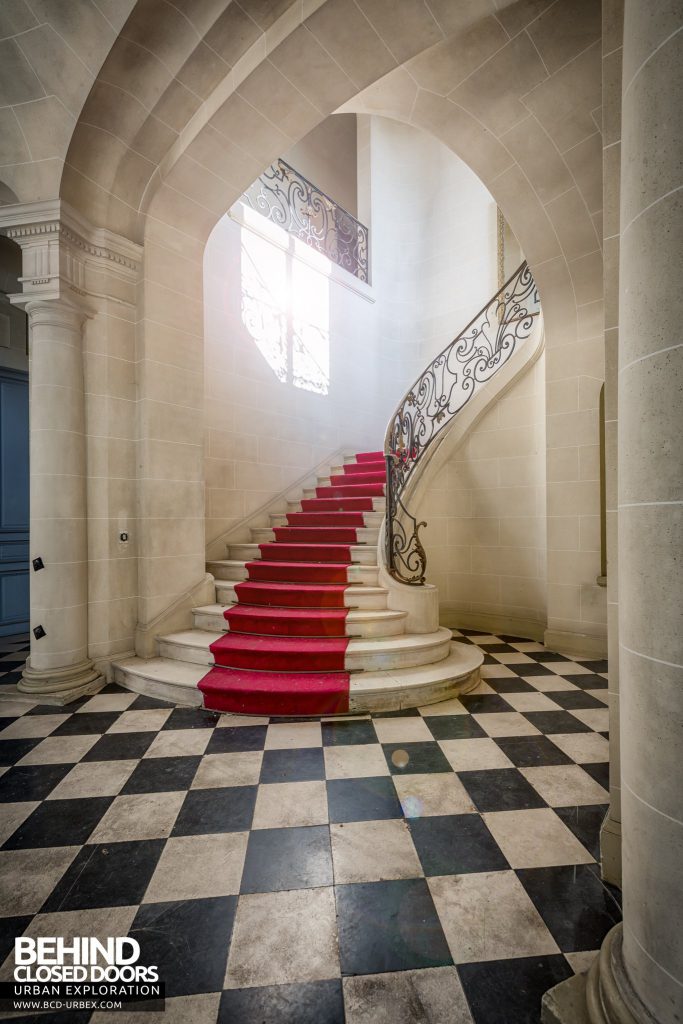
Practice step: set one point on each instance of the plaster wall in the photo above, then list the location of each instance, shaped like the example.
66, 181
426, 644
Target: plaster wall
327, 157
433, 244
485, 511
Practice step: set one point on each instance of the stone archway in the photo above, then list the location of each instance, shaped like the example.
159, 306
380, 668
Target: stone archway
520, 116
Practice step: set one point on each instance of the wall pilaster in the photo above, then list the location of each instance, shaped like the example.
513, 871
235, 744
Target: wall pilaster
73, 276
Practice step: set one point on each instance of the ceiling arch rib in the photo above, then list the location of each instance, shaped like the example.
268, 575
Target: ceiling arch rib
529, 132
160, 88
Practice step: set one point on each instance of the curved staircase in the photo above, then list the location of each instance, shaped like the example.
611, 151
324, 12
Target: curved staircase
301, 625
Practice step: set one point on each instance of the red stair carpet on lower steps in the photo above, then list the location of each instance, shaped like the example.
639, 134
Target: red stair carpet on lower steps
285, 650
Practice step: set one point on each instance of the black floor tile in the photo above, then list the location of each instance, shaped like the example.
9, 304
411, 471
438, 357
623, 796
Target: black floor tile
585, 822
56, 1017
191, 718
500, 648
574, 904
162, 775
189, 940
573, 700
402, 713
294, 719
484, 703
454, 727
120, 746
144, 703
31, 781
86, 722
550, 722
586, 681
595, 666
509, 684
12, 751
546, 656
68, 709
455, 844
205, 811
389, 926
237, 738
107, 875
10, 678
510, 991
338, 734
415, 758
532, 751
287, 858
304, 765
500, 789
599, 772
315, 1002
368, 799
530, 669
10, 929
59, 823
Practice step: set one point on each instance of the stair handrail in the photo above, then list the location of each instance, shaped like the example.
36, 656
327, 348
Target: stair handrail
443, 388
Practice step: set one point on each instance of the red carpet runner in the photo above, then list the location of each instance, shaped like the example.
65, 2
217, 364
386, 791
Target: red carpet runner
284, 652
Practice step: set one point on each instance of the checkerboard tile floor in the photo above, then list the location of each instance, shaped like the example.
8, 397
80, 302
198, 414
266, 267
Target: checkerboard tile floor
435, 864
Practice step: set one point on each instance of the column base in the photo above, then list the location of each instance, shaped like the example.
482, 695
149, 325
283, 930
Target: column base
62, 685
603, 995
610, 850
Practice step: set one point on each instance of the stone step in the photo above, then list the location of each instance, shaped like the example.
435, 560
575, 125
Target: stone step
311, 492
362, 655
379, 504
372, 520
364, 535
389, 690
361, 597
417, 687
235, 570
368, 624
360, 554
162, 678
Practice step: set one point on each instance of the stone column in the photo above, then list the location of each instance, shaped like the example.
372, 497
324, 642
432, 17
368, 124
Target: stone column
651, 505
58, 669
638, 976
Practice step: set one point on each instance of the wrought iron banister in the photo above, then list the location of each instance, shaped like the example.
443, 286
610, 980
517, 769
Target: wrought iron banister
286, 197
441, 391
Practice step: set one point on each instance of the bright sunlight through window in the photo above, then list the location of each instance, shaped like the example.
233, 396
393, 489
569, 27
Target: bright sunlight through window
286, 306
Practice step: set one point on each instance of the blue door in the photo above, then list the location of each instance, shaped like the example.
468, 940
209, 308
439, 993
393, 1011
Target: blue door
14, 491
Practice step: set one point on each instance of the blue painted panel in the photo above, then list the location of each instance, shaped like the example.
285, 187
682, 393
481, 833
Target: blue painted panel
14, 503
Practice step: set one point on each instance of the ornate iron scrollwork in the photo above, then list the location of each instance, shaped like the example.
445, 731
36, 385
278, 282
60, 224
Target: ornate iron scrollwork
286, 197
441, 391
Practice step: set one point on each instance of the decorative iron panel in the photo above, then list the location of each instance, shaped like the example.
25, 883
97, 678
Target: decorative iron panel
287, 198
439, 393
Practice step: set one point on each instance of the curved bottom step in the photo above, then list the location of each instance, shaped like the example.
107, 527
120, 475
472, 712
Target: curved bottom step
391, 690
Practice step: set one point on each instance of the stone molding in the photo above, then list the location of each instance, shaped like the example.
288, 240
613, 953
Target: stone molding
62, 253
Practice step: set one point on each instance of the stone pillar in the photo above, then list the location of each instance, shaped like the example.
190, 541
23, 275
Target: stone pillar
612, 39
651, 505
638, 976
58, 668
